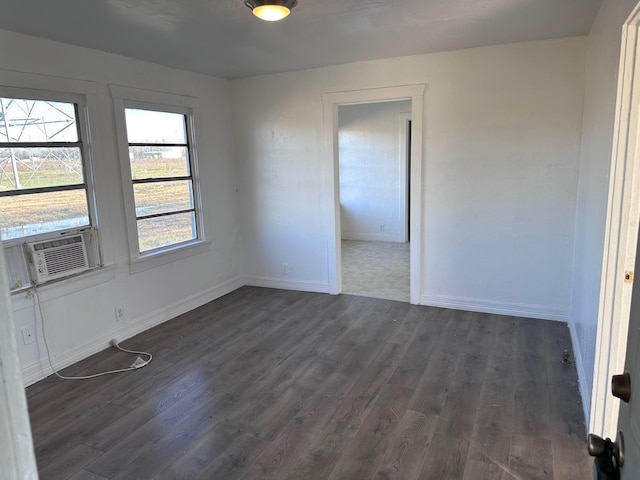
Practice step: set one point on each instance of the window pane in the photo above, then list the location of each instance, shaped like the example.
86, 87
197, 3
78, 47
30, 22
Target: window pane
39, 167
162, 197
23, 215
159, 162
147, 126
37, 121
168, 230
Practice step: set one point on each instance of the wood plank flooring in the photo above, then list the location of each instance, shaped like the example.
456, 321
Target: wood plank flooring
273, 384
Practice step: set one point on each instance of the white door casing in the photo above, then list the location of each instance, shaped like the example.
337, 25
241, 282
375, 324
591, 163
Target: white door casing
618, 334
621, 237
331, 102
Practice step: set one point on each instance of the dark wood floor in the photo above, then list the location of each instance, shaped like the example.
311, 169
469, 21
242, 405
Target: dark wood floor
272, 384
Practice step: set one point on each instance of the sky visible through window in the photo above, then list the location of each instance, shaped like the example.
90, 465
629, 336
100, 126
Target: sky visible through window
37, 121
148, 126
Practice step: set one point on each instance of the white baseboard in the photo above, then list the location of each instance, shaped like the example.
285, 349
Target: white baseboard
372, 237
41, 369
520, 310
501, 308
303, 286
585, 395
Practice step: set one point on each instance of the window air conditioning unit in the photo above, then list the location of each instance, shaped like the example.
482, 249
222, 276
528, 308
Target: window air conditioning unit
57, 257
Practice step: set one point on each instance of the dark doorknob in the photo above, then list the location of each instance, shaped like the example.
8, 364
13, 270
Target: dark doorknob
609, 456
621, 386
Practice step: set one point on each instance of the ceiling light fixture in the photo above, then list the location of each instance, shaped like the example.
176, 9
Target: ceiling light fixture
271, 10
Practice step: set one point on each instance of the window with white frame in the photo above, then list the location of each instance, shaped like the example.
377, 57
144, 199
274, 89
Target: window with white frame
43, 186
161, 156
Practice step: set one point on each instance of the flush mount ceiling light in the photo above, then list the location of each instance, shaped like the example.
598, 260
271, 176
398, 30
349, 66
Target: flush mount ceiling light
271, 10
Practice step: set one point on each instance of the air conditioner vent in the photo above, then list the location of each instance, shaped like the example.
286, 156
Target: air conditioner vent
59, 257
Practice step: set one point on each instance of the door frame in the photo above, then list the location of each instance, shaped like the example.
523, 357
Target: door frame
403, 172
621, 235
16, 444
331, 101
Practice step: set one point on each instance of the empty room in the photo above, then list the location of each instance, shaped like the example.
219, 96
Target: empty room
183, 186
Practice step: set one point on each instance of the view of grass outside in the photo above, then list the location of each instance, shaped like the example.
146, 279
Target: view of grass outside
26, 215
23, 215
161, 197
34, 213
162, 231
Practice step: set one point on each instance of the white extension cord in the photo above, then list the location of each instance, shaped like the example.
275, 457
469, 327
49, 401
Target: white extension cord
137, 363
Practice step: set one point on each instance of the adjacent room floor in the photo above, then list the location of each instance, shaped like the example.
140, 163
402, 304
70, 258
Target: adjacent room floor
273, 384
376, 269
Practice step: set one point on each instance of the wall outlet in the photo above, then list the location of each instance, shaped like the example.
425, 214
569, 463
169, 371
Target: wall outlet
28, 334
285, 268
119, 311
382, 228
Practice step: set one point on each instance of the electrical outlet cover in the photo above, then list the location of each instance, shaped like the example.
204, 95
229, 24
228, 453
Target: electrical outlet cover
28, 334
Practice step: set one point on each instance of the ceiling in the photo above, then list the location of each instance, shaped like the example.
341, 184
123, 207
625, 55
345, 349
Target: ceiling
222, 37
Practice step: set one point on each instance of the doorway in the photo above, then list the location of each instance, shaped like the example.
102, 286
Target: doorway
621, 237
331, 103
373, 158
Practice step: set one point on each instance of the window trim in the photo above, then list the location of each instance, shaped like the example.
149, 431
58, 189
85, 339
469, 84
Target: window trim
128, 97
190, 177
82, 94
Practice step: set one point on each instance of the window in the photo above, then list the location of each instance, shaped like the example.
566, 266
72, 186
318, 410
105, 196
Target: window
43, 185
160, 161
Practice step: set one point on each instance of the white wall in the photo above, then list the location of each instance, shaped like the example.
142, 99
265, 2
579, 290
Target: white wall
601, 73
499, 179
16, 447
372, 183
80, 312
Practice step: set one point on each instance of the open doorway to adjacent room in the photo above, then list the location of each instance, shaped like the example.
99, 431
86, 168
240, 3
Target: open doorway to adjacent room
373, 168
407, 104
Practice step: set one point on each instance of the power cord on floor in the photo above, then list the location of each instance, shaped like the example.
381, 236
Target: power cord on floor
137, 363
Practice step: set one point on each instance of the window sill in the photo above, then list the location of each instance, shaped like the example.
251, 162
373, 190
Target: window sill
169, 255
21, 299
